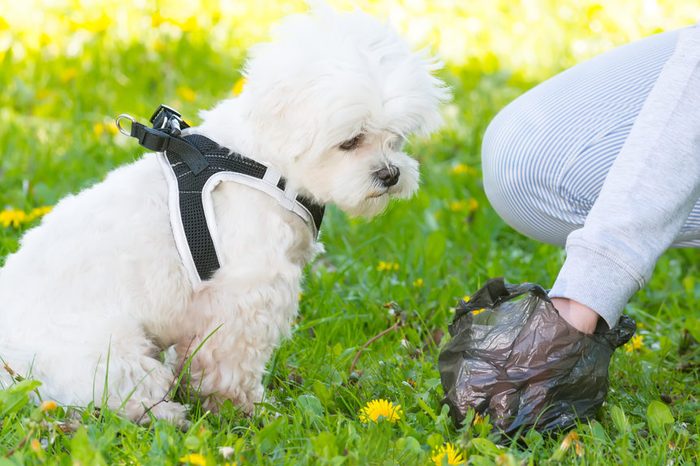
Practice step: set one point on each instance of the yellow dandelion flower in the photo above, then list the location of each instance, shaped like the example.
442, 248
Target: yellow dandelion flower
97, 24
68, 74
102, 127
37, 212
186, 93
12, 218
418, 283
194, 458
111, 128
43, 210
42, 93
380, 409
458, 206
189, 25
635, 344
238, 87
475, 312
158, 45
464, 205
387, 266
448, 452
157, 19
460, 169
48, 405
98, 128
35, 445
478, 418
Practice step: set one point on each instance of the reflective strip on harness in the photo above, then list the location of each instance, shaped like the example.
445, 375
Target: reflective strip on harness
190, 200
193, 166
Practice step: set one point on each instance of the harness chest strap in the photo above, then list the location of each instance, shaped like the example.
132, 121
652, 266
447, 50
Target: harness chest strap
193, 166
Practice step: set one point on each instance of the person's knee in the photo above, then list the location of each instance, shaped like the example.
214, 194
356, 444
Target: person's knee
496, 145
516, 180
506, 181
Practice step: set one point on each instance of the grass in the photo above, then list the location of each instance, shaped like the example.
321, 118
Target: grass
53, 141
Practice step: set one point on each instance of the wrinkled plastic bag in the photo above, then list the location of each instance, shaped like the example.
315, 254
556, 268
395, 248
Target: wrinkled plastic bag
522, 364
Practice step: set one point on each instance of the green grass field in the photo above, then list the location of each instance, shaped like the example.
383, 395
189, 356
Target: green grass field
56, 138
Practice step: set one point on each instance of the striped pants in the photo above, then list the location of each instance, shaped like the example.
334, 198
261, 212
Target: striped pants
547, 154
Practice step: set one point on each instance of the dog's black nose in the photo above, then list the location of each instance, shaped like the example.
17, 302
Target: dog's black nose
389, 176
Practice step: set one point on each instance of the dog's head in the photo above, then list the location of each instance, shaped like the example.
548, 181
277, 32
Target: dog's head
331, 100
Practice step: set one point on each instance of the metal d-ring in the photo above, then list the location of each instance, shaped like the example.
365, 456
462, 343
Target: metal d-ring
119, 126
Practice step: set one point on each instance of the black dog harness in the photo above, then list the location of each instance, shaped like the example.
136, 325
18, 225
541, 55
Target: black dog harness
194, 165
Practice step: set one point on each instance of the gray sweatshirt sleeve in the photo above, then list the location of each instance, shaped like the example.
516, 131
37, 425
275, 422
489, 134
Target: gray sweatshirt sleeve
647, 196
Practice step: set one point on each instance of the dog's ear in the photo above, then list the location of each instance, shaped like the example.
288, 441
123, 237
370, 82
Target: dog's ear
282, 117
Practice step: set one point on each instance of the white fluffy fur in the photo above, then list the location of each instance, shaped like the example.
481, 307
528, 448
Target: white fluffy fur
98, 289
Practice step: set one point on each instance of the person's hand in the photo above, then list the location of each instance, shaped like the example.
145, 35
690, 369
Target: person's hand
523, 363
581, 317
555, 372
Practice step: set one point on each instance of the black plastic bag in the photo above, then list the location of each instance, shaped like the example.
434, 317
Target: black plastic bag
521, 363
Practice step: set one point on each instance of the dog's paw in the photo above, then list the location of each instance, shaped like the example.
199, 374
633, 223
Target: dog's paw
143, 411
172, 412
245, 401
212, 403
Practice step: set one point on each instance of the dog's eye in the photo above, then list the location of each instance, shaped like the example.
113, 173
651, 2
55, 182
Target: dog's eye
351, 144
397, 144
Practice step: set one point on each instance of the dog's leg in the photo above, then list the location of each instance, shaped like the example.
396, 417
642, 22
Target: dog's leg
242, 331
139, 389
119, 370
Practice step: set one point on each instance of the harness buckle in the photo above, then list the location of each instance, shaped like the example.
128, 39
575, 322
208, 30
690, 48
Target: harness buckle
168, 120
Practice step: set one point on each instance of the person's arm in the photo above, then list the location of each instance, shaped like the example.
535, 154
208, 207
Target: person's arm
646, 198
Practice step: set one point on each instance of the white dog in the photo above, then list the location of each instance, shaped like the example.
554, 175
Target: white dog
98, 289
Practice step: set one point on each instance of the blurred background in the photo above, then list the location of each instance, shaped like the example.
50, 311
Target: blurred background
533, 37
67, 67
